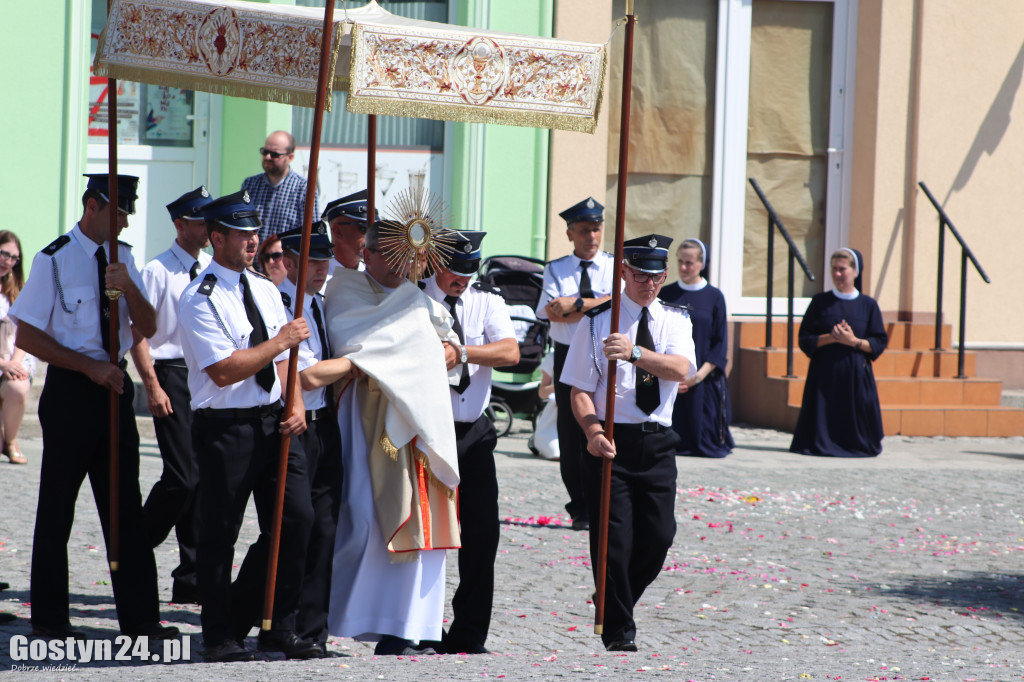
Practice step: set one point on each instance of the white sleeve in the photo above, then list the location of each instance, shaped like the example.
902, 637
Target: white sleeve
579, 369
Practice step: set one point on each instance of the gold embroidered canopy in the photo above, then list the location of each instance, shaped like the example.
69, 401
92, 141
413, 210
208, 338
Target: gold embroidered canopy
390, 65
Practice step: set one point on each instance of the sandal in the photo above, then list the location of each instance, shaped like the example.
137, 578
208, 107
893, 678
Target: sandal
13, 453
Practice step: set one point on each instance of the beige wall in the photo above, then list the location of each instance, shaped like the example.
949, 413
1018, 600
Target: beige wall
938, 99
579, 162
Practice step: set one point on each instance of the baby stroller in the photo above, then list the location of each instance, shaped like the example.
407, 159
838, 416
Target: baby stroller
520, 280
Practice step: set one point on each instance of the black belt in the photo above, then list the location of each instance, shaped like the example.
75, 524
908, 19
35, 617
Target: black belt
171, 362
239, 412
645, 427
317, 415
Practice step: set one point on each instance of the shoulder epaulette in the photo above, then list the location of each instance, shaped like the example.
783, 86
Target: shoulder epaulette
598, 309
209, 282
489, 288
677, 306
57, 244
559, 259
422, 284
122, 243
287, 300
258, 274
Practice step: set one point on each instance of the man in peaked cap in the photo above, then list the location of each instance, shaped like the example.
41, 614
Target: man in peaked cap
486, 339
63, 319
321, 441
347, 219
653, 352
573, 285
235, 339
161, 366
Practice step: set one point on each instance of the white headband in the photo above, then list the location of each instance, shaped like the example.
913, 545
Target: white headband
853, 257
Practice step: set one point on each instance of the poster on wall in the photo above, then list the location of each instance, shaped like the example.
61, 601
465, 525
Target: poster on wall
127, 111
168, 114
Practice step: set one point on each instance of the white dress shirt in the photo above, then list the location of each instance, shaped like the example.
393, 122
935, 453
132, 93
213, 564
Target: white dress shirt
316, 398
165, 278
562, 278
215, 325
484, 318
61, 297
673, 335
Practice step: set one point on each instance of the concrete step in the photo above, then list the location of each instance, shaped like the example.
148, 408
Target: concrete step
952, 420
892, 363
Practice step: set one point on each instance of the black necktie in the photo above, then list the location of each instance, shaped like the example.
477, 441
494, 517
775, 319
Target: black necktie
264, 377
457, 327
585, 290
193, 271
325, 349
648, 393
101, 270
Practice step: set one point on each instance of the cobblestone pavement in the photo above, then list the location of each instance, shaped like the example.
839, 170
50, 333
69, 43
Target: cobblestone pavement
907, 566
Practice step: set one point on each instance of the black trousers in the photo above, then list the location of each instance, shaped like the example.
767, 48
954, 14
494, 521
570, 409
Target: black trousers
641, 520
322, 443
75, 417
572, 445
172, 501
238, 456
478, 518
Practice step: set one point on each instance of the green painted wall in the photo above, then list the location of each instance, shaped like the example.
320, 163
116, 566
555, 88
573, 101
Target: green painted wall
38, 145
499, 173
247, 123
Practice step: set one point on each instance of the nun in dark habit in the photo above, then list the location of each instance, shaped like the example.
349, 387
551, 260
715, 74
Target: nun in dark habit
702, 411
842, 333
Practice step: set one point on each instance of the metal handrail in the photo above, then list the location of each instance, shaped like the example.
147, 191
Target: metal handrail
965, 254
794, 253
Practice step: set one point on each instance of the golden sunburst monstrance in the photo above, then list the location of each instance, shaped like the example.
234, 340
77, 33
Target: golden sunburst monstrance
414, 232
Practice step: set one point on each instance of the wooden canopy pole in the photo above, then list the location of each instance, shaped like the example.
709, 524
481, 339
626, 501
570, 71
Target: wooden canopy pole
114, 543
300, 296
609, 410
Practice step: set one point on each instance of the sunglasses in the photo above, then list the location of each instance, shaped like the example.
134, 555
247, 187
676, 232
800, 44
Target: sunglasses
641, 277
275, 256
274, 155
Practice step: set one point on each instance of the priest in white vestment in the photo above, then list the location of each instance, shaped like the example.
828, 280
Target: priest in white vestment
398, 513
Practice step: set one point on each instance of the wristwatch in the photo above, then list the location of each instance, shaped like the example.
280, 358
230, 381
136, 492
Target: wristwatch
579, 305
635, 355
463, 356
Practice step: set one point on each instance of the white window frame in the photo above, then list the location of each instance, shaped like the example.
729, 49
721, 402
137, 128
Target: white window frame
729, 183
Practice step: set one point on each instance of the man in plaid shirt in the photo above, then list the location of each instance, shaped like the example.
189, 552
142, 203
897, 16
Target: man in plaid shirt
279, 193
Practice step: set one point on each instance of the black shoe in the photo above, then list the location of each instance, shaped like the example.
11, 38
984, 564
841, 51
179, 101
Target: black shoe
4, 586
288, 643
396, 646
438, 646
621, 645
7, 617
227, 652
183, 593
465, 649
580, 524
154, 631
57, 632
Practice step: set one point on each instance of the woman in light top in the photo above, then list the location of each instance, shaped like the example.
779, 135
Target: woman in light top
842, 332
702, 411
16, 366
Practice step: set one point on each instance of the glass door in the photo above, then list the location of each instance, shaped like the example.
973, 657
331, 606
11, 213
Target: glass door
784, 123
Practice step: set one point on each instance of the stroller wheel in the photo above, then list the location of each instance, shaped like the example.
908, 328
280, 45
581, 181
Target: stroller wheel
500, 413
